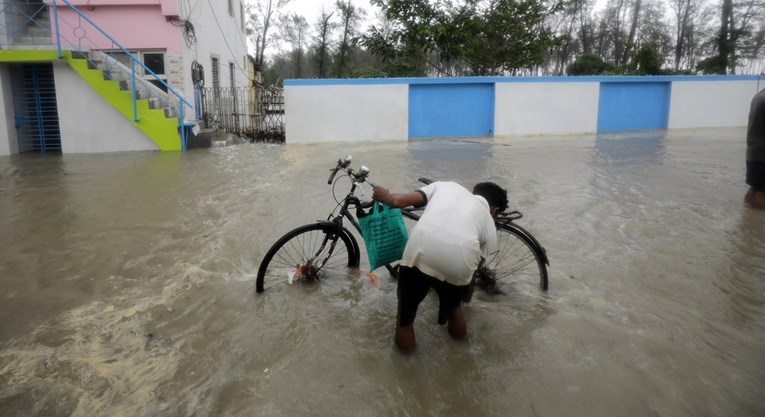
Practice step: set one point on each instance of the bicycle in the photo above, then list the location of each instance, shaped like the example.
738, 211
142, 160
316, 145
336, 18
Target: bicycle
311, 251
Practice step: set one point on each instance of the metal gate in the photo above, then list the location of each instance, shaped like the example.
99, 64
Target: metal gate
255, 113
34, 101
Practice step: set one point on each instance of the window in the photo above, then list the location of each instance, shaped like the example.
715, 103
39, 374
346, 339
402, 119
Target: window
216, 73
154, 61
231, 74
216, 87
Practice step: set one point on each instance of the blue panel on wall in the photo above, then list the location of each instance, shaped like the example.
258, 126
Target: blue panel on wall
633, 106
451, 110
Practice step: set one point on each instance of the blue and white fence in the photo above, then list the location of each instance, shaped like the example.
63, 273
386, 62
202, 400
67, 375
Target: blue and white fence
410, 108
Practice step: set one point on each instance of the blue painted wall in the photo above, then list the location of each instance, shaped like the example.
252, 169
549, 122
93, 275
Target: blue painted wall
633, 106
450, 110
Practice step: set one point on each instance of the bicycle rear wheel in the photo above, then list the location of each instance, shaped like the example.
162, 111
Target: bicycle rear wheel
311, 252
519, 262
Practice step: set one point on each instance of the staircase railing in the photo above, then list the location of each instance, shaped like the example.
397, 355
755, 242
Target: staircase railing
77, 37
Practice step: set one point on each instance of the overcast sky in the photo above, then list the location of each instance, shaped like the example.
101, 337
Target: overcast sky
311, 9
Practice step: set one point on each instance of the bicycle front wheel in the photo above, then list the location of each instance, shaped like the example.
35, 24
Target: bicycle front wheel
309, 252
519, 261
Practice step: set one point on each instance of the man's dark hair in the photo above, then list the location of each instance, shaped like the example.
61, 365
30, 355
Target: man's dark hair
493, 193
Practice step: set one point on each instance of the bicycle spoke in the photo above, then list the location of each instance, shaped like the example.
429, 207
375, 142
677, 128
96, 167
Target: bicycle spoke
311, 250
515, 262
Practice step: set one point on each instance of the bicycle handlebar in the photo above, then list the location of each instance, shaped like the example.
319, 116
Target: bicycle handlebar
332, 175
345, 165
341, 164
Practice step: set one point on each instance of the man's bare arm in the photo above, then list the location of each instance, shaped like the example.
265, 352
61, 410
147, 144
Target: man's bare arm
400, 200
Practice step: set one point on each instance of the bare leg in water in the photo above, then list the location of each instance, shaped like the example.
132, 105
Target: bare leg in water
456, 324
404, 337
756, 199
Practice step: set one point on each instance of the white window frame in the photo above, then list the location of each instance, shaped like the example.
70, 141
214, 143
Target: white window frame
140, 54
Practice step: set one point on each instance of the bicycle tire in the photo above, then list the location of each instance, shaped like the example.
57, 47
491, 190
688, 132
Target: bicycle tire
301, 247
520, 260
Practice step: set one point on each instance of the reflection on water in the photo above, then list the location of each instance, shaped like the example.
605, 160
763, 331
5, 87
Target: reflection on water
128, 285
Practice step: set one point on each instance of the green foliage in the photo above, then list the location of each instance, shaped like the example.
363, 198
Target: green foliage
366, 72
710, 65
648, 61
588, 64
465, 39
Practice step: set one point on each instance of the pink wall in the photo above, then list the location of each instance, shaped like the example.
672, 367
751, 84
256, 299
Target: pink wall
169, 7
134, 26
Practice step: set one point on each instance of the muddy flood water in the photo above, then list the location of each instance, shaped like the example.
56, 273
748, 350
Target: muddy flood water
128, 285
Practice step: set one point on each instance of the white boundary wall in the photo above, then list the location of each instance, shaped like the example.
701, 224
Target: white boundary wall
699, 104
545, 108
367, 110
346, 113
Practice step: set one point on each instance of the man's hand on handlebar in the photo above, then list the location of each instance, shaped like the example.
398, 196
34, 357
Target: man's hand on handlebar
379, 193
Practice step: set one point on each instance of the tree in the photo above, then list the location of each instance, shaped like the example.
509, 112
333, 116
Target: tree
725, 42
294, 30
574, 25
472, 38
654, 30
633, 31
400, 53
587, 64
350, 19
324, 28
683, 10
260, 17
738, 35
648, 61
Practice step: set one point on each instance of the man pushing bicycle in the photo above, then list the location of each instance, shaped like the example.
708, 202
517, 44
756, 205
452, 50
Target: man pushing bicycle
447, 245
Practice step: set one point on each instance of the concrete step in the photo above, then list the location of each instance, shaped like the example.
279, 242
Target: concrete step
35, 30
171, 112
38, 46
80, 54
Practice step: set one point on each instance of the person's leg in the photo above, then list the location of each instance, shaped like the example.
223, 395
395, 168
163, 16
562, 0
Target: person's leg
450, 310
457, 325
755, 177
758, 200
411, 290
468, 295
404, 337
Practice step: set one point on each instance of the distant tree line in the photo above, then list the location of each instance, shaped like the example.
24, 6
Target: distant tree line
509, 37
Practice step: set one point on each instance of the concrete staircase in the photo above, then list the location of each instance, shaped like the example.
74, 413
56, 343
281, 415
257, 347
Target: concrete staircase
158, 123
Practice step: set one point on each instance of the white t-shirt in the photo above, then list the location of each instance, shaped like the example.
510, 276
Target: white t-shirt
455, 230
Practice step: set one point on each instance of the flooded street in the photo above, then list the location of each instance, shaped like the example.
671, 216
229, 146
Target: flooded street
128, 285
